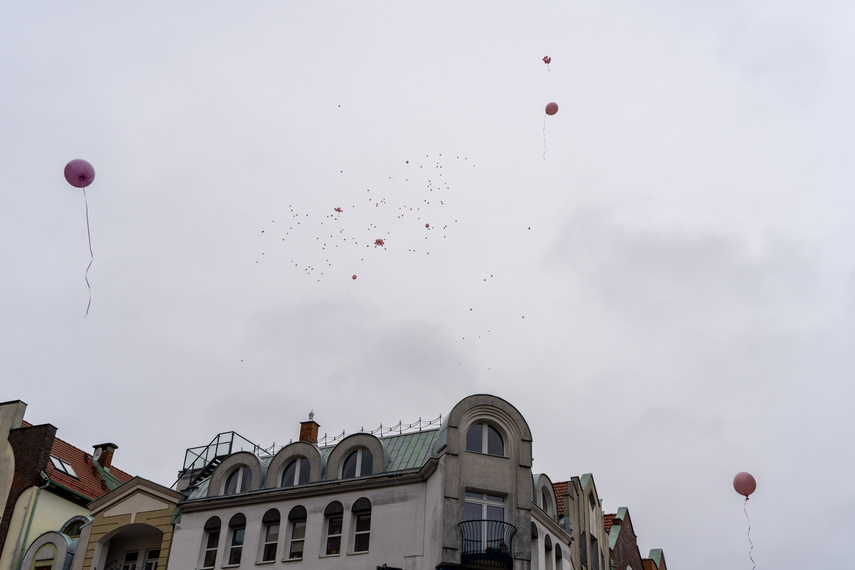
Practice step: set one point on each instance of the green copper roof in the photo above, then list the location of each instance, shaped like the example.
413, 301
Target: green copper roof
406, 451
410, 450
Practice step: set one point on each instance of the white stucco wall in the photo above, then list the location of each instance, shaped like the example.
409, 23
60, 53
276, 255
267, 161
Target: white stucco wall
397, 531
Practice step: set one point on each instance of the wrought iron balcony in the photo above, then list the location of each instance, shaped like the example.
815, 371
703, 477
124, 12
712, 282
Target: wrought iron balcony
488, 544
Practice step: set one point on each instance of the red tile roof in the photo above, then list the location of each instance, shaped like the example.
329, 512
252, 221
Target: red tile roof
560, 490
608, 520
88, 482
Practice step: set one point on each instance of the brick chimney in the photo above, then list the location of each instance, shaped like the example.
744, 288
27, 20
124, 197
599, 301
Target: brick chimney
105, 460
309, 429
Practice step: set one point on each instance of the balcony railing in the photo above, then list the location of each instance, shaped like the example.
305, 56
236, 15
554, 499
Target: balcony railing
488, 544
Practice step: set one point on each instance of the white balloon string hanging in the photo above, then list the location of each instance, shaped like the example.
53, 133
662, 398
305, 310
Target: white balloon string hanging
91, 255
751, 548
80, 174
544, 138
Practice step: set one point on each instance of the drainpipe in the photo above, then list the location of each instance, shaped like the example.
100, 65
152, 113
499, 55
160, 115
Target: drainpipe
30, 522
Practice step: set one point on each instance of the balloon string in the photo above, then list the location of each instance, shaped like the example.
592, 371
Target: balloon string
544, 138
91, 255
750, 550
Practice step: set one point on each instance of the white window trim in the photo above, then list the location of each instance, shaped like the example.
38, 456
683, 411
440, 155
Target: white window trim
241, 471
359, 455
485, 439
356, 533
132, 564
265, 543
148, 559
63, 466
301, 463
291, 539
206, 549
327, 535
231, 547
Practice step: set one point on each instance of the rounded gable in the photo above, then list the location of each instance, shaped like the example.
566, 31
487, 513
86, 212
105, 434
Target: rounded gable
380, 456
229, 464
288, 454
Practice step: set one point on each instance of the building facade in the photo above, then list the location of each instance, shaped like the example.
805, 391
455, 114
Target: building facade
45, 486
458, 496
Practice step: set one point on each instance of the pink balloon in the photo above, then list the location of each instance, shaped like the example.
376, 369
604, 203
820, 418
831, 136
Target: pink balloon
551, 108
744, 483
79, 173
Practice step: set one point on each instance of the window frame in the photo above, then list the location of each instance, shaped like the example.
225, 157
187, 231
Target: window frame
236, 541
302, 472
360, 511
130, 564
359, 469
150, 563
333, 516
484, 448
242, 475
485, 501
330, 536
213, 533
270, 519
63, 466
301, 539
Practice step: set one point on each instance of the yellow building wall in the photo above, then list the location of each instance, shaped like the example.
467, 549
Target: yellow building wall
50, 514
103, 524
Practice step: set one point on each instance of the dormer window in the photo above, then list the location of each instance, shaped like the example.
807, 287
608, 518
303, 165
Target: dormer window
360, 463
484, 438
63, 466
296, 473
546, 502
238, 481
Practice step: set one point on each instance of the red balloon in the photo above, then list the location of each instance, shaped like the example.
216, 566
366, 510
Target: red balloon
354, 277
744, 483
547, 60
79, 173
551, 108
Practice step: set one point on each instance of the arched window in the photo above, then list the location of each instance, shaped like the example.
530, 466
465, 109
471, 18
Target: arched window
238, 481
296, 473
237, 532
547, 547
484, 438
269, 535
558, 557
360, 463
361, 510
211, 542
546, 502
334, 516
535, 558
297, 521
73, 526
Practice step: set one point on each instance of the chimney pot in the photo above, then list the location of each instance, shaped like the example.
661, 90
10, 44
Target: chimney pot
309, 429
105, 460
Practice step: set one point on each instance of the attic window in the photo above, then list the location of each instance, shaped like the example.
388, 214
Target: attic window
63, 466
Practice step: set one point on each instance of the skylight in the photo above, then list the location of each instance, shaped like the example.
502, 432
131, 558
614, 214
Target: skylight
63, 466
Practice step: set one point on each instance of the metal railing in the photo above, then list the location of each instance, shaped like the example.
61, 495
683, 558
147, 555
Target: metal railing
488, 543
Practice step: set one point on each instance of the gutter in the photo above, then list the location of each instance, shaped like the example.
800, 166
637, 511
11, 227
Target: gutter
30, 522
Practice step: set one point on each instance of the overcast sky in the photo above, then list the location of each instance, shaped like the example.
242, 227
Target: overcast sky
659, 277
